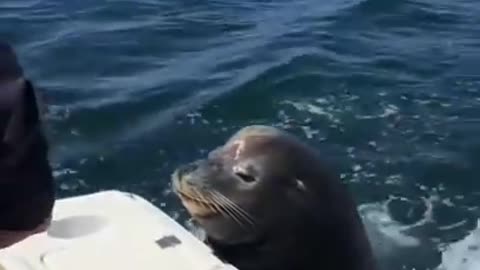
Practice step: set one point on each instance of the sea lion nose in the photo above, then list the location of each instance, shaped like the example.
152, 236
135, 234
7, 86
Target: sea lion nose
187, 169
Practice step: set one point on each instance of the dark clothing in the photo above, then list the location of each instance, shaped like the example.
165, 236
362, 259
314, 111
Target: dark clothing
26, 181
9, 66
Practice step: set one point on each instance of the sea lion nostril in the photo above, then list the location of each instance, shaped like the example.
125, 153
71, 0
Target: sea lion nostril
187, 168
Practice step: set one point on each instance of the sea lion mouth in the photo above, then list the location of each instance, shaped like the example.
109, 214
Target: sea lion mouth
195, 201
198, 207
206, 203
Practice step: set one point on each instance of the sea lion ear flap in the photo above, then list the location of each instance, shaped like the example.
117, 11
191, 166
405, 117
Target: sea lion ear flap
24, 118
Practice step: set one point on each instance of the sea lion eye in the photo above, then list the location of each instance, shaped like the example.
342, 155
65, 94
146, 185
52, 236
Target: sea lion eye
245, 177
240, 172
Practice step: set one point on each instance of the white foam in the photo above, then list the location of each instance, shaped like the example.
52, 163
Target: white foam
327, 112
464, 254
357, 168
390, 239
389, 236
309, 132
58, 173
384, 232
389, 110
395, 179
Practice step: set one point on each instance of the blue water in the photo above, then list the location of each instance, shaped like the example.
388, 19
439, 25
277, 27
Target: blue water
387, 90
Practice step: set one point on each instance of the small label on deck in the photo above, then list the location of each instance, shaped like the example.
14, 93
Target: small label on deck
168, 241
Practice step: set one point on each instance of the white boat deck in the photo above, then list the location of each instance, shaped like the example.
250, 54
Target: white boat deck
110, 230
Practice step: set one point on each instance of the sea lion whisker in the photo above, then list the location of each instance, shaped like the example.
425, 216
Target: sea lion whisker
232, 212
228, 211
211, 199
203, 199
193, 197
236, 208
240, 211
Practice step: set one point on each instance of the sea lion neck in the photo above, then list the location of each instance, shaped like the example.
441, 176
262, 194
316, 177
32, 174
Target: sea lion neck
249, 249
257, 241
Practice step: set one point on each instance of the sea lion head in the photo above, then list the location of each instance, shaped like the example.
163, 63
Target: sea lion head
258, 180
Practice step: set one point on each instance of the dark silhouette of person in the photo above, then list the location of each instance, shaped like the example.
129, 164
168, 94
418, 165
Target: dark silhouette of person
27, 190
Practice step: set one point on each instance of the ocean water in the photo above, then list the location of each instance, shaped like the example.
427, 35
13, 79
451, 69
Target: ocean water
389, 91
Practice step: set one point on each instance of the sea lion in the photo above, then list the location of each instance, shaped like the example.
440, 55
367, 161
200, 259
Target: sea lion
26, 180
268, 202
